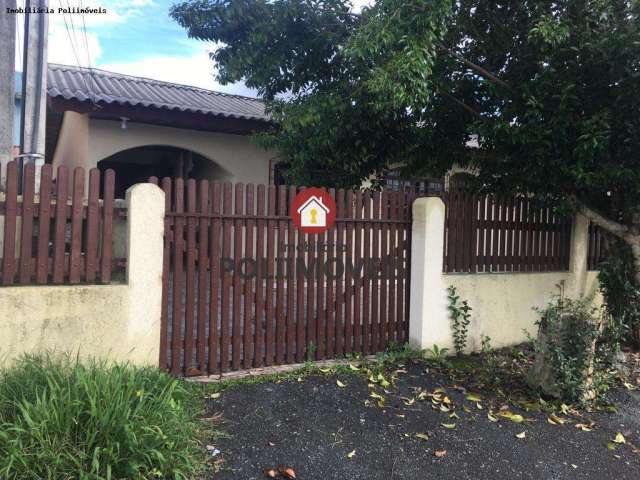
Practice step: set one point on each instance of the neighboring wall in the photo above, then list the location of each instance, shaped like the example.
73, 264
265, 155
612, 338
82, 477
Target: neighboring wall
115, 322
85, 141
503, 303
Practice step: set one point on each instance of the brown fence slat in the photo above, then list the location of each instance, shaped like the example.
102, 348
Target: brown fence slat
44, 222
260, 256
399, 271
62, 185
237, 292
407, 270
393, 251
247, 267
375, 288
107, 226
26, 234
301, 333
312, 341
348, 284
203, 270
93, 223
269, 337
214, 281
383, 283
366, 273
339, 329
11, 213
290, 257
76, 224
332, 254
319, 279
281, 321
177, 343
356, 258
190, 278
166, 272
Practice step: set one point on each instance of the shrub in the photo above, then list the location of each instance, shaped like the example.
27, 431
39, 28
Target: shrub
565, 349
621, 295
60, 418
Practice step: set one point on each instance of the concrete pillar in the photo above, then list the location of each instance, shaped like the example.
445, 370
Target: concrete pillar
428, 317
145, 229
578, 257
72, 149
7, 85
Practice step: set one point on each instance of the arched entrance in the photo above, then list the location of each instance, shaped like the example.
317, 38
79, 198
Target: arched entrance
136, 165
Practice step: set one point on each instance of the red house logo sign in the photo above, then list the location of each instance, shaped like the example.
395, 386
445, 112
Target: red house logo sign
313, 211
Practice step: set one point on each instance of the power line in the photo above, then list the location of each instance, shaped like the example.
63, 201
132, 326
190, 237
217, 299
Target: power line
74, 48
86, 43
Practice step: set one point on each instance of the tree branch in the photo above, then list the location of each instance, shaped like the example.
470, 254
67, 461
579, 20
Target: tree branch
458, 102
611, 226
482, 71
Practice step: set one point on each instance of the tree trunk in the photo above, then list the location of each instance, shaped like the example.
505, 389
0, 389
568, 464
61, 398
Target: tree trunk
629, 233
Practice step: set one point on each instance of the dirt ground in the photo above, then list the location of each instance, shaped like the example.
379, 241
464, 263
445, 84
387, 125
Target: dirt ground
326, 431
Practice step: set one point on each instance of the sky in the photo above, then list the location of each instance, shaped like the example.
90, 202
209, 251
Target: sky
134, 37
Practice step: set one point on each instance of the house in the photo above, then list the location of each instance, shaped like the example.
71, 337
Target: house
142, 127
313, 213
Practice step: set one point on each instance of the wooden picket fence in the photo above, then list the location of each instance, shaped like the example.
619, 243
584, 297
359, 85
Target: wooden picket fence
49, 239
486, 233
234, 295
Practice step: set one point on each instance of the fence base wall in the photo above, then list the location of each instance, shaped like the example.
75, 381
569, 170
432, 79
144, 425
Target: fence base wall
112, 322
503, 303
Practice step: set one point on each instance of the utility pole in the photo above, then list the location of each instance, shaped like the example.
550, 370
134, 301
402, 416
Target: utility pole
34, 86
7, 85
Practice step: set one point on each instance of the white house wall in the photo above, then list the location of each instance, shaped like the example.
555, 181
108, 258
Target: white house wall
84, 142
234, 153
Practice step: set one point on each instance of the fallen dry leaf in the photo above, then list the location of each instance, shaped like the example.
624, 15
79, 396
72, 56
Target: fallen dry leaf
288, 472
619, 439
351, 454
555, 420
514, 417
340, 384
521, 435
449, 426
583, 427
376, 396
440, 453
270, 473
422, 436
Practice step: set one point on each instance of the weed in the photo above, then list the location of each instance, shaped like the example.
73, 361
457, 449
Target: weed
460, 319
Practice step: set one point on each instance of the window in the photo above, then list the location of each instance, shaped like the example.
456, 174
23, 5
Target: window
395, 182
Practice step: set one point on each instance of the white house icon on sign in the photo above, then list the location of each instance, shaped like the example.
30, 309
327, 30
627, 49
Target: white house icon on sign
313, 213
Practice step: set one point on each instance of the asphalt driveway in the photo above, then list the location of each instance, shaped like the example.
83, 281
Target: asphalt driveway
325, 431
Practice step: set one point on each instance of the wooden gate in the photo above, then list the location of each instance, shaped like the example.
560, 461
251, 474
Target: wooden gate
243, 288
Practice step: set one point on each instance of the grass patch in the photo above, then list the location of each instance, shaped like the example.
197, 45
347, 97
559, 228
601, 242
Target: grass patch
62, 419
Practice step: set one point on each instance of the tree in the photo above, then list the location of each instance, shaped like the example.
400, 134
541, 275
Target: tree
549, 89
